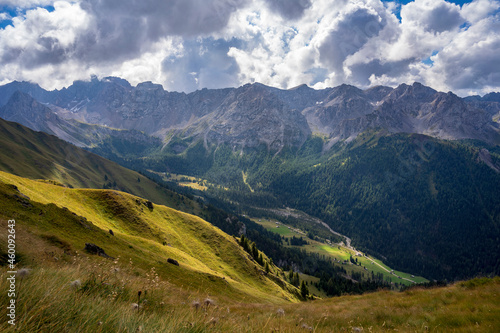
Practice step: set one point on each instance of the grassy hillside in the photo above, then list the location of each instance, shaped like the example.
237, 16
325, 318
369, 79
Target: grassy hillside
210, 261
85, 296
37, 155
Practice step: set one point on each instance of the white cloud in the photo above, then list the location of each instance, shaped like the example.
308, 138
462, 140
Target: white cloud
191, 44
479, 9
148, 67
4, 16
43, 31
200, 63
41, 42
470, 61
26, 3
290, 9
432, 15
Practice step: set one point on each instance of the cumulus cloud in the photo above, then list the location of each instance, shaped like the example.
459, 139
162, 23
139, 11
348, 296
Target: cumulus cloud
191, 44
4, 16
201, 63
432, 15
43, 37
103, 35
349, 35
318, 49
290, 9
470, 62
123, 29
479, 9
113, 30
364, 74
147, 67
25, 3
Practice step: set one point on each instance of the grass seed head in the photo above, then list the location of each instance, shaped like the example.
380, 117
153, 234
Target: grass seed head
23, 272
306, 327
75, 284
208, 301
213, 321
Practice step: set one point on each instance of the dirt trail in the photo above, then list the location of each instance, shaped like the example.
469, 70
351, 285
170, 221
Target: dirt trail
298, 214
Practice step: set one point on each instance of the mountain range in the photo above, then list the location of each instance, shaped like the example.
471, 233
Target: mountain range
253, 114
409, 173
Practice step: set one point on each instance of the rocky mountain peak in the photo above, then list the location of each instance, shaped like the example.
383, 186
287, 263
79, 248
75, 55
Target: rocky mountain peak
21, 103
148, 85
492, 97
117, 80
256, 114
417, 92
301, 87
32, 89
377, 93
252, 115
24, 109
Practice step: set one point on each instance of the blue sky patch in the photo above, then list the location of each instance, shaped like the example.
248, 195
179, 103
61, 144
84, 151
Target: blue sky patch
428, 61
14, 12
404, 2
397, 10
11, 12
465, 26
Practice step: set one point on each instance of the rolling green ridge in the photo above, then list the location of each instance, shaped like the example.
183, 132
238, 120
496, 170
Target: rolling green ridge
146, 235
38, 155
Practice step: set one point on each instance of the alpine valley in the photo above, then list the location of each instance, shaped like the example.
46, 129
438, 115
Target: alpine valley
253, 195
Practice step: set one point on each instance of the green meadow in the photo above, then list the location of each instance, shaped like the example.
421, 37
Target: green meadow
341, 253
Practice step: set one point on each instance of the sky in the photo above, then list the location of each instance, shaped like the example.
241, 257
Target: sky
187, 45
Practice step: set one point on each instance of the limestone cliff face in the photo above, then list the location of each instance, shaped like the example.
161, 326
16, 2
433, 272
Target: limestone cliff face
420, 109
250, 116
255, 114
342, 103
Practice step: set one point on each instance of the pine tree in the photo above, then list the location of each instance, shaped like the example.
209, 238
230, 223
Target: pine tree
304, 291
290, 276
296, 279
244, 243
255, 251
